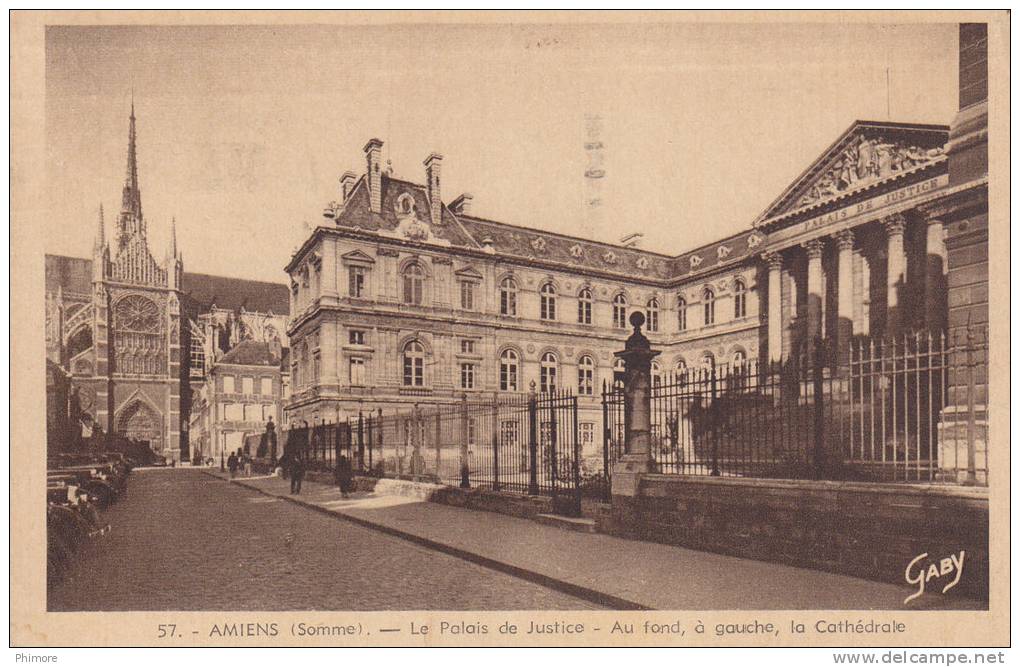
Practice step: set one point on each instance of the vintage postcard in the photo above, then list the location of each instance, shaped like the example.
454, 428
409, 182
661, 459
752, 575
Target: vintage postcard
509, 329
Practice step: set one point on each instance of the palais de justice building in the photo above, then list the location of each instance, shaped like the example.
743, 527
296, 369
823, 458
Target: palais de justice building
404, 296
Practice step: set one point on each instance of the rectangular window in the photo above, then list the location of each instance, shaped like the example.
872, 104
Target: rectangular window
251, 412
267, 387
467, 295
228, 384
509, 432
357, 337
234, 412
247, 386
357, 372
356, 281
467, 346
197, 356
467, 376
414, 371
587, 434
268, 411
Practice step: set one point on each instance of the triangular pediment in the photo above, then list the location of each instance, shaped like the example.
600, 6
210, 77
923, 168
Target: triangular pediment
867, 153
357, 256
469, 272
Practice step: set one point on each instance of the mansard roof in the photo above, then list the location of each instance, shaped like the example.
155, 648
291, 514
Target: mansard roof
537, 245
251, 353
256, 296
540, 245
357, 213
866, 154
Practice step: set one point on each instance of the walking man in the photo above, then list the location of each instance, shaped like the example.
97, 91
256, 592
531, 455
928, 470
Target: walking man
297, 473
232, 464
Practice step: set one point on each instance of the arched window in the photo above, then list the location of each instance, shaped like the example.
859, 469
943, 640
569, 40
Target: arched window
739, 299
680, 369
547, 373
585, 376
681, 314
414, 364
547, 297
508, 370
508, 297
414, 283
619, 369
739, 359
656, 374
652, 315
620, 311
584, 306
708, 300
708, 361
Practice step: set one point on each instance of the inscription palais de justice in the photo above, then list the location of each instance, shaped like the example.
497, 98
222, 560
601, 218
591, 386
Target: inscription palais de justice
887, 199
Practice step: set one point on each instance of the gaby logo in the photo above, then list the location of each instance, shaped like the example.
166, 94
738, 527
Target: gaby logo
920, 571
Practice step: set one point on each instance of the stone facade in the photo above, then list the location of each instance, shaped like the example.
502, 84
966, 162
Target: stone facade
396, 301
243, 390
117, 330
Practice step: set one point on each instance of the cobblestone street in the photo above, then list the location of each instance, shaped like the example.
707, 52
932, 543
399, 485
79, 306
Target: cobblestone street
183, 540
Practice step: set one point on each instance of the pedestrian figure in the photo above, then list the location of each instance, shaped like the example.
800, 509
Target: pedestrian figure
232, 464
247, 466
345, 476
297, 473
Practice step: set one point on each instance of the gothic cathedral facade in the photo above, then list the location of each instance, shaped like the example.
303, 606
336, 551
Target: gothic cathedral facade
121, 343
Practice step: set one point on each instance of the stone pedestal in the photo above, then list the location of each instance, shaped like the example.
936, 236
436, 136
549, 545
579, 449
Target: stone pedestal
637, 407
628, 471
963, 445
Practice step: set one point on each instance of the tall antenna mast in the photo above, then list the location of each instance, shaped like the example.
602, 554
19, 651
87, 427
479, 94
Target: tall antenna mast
594, 175
888, 113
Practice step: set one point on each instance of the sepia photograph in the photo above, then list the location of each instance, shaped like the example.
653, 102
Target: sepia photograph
552, 316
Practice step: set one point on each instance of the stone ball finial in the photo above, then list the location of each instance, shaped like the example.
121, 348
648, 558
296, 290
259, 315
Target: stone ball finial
637, 319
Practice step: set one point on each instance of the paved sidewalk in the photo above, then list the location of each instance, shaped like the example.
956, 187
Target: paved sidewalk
626, 573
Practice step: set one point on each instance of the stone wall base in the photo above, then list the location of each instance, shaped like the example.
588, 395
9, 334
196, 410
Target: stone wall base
872, 531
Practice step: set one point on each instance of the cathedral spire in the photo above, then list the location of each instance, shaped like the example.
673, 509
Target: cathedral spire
173, 238
101, 231
131, 222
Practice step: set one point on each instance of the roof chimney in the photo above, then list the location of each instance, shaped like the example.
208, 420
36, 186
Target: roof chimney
462, 204
347, 185
373, 156
433, 164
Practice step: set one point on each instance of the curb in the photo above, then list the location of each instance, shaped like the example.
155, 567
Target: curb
574, 590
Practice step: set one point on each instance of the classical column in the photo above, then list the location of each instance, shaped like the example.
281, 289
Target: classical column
775, 322
815, 287
896, 271
936, 295
845, 295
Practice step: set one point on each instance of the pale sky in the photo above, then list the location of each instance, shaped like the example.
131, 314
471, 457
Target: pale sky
243, 131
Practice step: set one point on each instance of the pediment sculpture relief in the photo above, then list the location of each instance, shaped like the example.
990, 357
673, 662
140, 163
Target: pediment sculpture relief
865, 161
